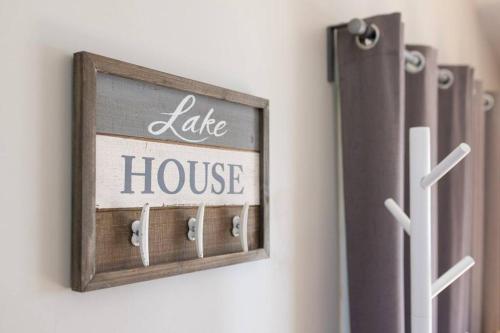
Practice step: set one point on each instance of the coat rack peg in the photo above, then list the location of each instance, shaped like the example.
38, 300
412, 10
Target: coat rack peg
446, 165
451, 275
240, 227
140, 235
195, 233
398, 214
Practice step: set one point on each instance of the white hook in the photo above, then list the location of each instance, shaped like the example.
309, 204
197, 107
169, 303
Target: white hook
240, 227
195, 232
398, 214
451, 275
140, 234
445, 165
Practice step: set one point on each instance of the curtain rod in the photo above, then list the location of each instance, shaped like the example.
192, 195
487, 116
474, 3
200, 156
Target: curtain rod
488, 101
368, 35
364, 31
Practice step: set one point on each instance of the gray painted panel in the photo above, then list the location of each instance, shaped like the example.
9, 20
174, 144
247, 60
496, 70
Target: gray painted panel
128, 107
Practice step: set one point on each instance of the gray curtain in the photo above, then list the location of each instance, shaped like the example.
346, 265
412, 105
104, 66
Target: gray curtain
491, 274
455, 199
421, 110
477, 178
371, 84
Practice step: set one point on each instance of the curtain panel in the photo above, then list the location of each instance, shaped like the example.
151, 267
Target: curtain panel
371, 93
455, 199
380, 93
477, 232
491, 274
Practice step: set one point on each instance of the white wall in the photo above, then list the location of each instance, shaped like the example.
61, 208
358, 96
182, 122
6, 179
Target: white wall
274, 49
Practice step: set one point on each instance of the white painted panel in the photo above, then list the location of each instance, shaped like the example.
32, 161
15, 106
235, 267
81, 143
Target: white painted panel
112, 192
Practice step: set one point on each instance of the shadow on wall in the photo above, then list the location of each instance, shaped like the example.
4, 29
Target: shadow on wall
53, 149
316, 231
53, 146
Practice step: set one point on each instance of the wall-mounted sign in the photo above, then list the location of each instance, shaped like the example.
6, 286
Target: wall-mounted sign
171, 147
142, 136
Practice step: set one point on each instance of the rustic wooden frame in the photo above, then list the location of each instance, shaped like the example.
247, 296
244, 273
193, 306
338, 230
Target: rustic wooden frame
83, 267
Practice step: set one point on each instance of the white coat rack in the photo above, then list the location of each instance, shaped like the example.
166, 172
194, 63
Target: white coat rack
419, 229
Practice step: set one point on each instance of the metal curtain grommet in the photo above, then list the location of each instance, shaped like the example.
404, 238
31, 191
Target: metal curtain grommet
368, 41
446, 78
414, 61
488, 102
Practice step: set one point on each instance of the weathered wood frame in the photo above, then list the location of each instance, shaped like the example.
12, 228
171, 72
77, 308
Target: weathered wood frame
83, 266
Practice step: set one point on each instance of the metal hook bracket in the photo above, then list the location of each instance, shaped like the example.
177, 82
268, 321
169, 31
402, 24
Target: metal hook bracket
240, 227
236, 226
192, 224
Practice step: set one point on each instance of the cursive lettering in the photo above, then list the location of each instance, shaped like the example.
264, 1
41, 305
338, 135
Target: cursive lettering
208, 126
